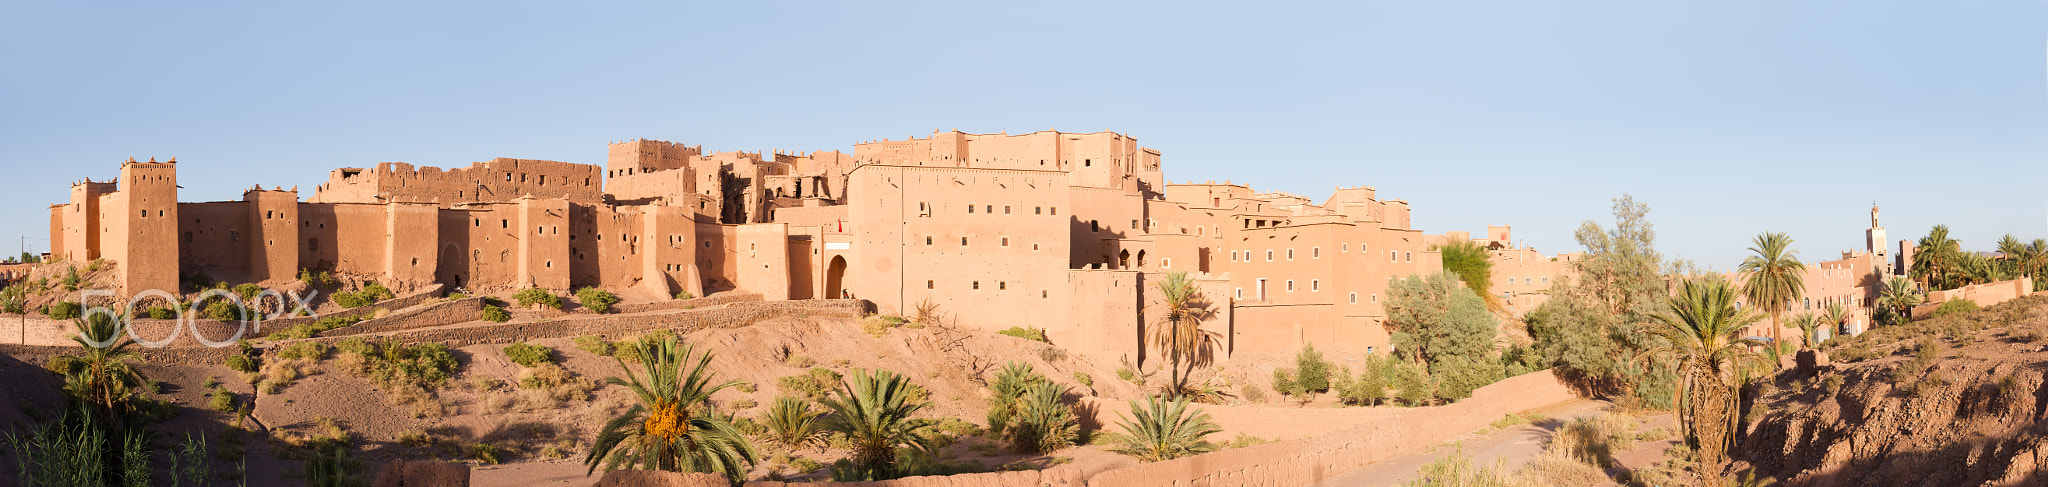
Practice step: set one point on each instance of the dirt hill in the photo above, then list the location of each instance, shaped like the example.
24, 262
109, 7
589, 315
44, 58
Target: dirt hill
1953, 400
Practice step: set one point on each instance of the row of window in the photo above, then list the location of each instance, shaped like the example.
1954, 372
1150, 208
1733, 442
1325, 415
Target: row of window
925, 209
1317, 253
976, 285
1314, 285
1003, 241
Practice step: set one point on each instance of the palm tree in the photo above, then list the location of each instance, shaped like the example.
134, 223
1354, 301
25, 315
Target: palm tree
1898, 298
674, 427
1834, 316
1774, 278
1807, 323
2015, 259
102, 374
2037, 255
1181, 337
1702, 328
1935, 258
792, 422
873, 411
1163, 429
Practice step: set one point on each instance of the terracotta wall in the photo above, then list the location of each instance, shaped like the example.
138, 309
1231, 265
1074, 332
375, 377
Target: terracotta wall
1983, 294
1005, 258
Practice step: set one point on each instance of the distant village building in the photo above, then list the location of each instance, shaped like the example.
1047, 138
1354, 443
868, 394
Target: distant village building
1061, 231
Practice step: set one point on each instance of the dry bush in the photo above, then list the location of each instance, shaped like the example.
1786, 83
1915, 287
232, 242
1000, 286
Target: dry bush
496, 403
557, 381
1594, 440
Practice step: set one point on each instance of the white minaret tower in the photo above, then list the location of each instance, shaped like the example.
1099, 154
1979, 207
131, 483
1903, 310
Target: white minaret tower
1874, 238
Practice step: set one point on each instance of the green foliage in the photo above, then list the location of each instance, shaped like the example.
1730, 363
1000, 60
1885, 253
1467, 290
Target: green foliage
597, 300
496, 314
242, 363
537, 296
351, 300
1435, 318
69, 451
1702, 326
64, 310
673, 427
1161, 429
317, 279
683, 295
222, 310
1083, 379
1044, 423
1369, 386
1411, 385
160, 313
1033, 334
14, 299
399, 365
1011, 383
1470, 262
1127, 375
1954, 307
792, 422
303, 350
332, 467
1312, 373
247, 291
222, 400
529, 355
1458, 376
1285, 384
71, 281
310, 330
874, 412
594, 344
1773, 277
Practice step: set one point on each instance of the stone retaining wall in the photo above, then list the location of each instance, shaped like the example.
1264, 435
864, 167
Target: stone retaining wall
703, 302
682, 322
436, 314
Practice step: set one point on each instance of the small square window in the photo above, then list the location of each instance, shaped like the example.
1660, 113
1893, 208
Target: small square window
970, 208
1240, 293
1315, 286
927, 240
977, 285
963, 241
1290, 254
1354, 298
1166, 263
928, 284
1315, 252
1290, 285
1006, 241
1002, 285
1037, 210
1269, 255
1006, 209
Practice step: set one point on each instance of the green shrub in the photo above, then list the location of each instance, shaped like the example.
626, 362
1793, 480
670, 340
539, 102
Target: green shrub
1127, 375
1083, 379
1954, 307
161, 313
1026, 333
685, 295
496, 314
355, 346
1043, 423
377, 292
1011, 383
242, 363
71, 279
222, 310
537, 296
303, 350
352, 300
484, 453
597, 300
248, 291
310, 330
64, 310
529, 355
593, 344
1312, 373
222, 400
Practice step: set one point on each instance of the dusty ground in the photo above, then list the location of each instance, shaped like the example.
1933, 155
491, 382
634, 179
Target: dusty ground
1969, 412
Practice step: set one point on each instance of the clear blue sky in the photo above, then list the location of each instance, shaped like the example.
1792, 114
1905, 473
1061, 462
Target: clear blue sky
1727, 118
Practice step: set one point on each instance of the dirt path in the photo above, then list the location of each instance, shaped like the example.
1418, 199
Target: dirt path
1514, 446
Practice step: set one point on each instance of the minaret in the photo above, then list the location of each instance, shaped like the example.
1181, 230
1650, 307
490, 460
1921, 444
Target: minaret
1874, 238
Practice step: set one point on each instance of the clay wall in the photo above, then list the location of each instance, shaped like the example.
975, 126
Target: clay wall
1983, 294
81, 221
214, 237
430, 315
496, 180
273, 244
1005, 257
717, 262
1102, 316
605, 245
1098, 217
642, 156
149, 254
57, 231
1523, 277
344, 237
411, 231
543, 254
633, 186
669, 266
763, 260
693, 303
